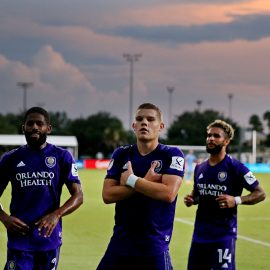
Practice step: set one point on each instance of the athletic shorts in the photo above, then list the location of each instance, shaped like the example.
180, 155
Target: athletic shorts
28, 260
212, 256
114, 261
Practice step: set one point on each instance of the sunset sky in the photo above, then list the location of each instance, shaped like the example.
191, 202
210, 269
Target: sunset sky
72, 51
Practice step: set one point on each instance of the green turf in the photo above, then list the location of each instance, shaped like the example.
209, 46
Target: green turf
86, 232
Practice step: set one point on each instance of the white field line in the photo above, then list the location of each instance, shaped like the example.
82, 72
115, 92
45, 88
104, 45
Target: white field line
259, 242
239, 236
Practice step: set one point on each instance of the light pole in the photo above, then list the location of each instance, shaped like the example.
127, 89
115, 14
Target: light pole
170, 91
230, 96
131, 58
25, 86
199, 103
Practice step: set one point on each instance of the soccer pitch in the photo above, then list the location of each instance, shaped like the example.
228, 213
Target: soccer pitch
87, 231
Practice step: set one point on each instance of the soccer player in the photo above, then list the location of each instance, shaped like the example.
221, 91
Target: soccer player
218, 185
143, 180
37, 172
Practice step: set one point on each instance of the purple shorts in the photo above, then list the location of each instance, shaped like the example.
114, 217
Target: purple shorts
32, 260
212, 256
114, 261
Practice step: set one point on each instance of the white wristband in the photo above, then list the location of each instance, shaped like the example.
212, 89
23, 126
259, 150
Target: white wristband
237, 200
131, 181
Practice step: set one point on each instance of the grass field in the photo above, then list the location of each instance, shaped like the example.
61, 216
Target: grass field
86, 232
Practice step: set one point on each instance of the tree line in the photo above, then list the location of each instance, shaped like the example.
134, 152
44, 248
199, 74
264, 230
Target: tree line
103, 132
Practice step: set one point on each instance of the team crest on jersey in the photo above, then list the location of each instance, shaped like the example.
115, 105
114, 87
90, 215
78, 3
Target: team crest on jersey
158, 166
222, 176
11, 265
110, 164
50, 161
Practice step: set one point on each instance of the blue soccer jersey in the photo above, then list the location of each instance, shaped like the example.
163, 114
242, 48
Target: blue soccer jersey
37, 178
230, 177
143, 226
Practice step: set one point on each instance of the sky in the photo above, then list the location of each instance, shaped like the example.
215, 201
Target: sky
72, 52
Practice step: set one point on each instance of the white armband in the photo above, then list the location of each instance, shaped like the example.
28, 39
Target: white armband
131, 181
237, 200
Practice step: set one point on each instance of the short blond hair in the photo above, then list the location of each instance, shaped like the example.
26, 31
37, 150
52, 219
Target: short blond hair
227, 128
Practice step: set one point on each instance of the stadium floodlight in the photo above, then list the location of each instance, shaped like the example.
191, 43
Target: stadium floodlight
131, 58
230, 96
199, 104
25, 86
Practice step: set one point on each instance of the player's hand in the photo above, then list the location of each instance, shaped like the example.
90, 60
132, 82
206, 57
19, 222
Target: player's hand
225, 201
126, 174
15, 225
151, 175
188, 200
47, 224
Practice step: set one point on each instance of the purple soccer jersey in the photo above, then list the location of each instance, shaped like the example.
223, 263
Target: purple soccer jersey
143, 226
230, 177
37, 178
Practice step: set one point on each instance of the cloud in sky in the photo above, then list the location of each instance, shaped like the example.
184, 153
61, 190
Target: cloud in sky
54, 81
74, 55
247, 27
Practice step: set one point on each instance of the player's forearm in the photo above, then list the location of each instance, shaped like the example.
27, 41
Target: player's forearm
3, 215
158, 191
74, 202
254, 197
116, 193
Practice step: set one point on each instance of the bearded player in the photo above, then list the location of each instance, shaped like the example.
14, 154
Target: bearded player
218, 185
37, 172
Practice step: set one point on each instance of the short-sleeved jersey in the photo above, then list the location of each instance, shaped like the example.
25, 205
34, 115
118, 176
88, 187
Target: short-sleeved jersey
143, 226
36, 179
230, 177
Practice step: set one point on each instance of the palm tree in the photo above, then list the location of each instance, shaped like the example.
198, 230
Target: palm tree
266, 117
256, 123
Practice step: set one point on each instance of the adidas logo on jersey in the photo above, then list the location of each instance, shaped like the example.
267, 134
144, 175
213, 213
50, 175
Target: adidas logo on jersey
201, 176
21, 164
